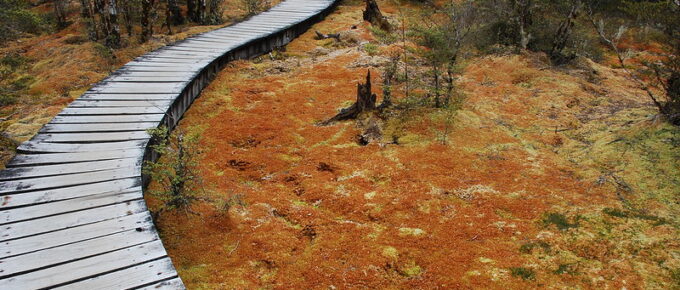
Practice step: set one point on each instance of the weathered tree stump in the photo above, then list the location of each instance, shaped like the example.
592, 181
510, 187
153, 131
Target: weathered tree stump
373, 15
365, 103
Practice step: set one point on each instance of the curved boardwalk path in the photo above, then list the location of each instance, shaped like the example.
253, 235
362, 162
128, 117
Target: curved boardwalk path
72, 212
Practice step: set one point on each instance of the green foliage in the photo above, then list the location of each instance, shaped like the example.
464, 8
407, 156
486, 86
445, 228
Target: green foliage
12, 82
370, 48
564, 269
16, 19
524, 273
384, 37
559, 220
177, 170
529, 247
253, 7
637, 215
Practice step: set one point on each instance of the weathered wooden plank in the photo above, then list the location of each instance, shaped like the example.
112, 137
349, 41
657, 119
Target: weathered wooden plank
71, 157
69, 168
140, 275
43, 183
68, 236
67, 253
66, 206
86, 268
147, 88
69, 220
97, 127
91, 137
114, 118
58, 181
111, 111
172, 284
128, 97
126, 104
53, 195
45, 147
145, 79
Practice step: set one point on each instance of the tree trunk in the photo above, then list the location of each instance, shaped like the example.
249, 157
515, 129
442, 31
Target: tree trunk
88, 13
191, 10
373, 15
175, 13
365, 102
524, 19
60, 13
113, 38
147, 25
562, 36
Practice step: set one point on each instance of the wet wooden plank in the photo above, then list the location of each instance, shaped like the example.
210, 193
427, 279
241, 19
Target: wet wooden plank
68, 236
140, 275
86, 268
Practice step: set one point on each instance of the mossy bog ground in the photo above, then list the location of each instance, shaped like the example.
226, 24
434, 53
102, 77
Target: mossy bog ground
543, 177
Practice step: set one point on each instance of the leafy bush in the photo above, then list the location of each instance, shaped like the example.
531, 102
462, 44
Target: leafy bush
16, 19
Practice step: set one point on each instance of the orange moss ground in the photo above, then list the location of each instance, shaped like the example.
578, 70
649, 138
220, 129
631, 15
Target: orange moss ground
547, 178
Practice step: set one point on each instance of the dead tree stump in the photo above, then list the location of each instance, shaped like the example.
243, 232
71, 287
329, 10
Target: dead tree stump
373, 15
365, 103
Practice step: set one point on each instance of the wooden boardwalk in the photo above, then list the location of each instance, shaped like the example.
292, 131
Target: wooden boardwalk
72, 213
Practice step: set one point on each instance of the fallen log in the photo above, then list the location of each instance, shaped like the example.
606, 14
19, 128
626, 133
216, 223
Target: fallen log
320, 36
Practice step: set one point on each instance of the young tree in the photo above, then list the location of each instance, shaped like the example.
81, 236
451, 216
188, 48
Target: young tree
443, 38
177, 171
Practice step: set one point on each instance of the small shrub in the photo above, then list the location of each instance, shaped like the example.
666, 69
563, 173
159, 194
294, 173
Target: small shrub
176, 172
371, 49
383, 36
559, 220
524, 273
223, 205
253, 7
529, 247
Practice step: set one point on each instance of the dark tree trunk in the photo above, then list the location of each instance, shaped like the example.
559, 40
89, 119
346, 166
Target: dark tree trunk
175, 13
147, 25
60, 13
562, 36
127, 9
113, 38
88, 13
373, 15
524, 20
365, 103
202, 13
192, 10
